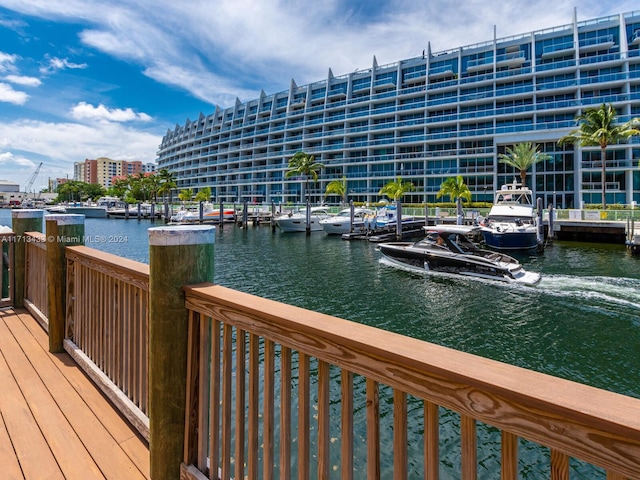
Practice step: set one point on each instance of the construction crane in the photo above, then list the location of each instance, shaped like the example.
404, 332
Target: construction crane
32, 179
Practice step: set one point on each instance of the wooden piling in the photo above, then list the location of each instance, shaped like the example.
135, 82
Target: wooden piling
24, 220
352, 215
308, 219
245, 214
221, 215
398, 220
178, 256
62, 231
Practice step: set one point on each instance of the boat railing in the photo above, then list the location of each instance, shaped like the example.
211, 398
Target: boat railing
320, 393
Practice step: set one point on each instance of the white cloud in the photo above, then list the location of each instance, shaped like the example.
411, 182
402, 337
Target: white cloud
230, 48
55, 64
22, 80
65, 143
85, 111
7, 62
9, 159
9, 95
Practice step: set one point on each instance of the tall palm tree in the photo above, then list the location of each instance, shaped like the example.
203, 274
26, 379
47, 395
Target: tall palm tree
454, 188
186, 195
203, 194
396, 189
303, 164
167, 182
597, 128
457, 191
521, 157
337, 187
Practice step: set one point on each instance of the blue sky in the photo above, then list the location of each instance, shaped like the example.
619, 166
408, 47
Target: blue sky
85, 78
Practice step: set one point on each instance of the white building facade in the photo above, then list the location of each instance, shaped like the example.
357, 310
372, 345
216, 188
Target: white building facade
430, 118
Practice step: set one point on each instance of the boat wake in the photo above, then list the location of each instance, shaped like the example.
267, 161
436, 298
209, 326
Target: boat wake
597, 290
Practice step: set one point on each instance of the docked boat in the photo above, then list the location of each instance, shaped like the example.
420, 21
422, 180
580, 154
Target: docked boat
297, 221
90, 209
341, 222
511, 223
447, 250
386, 218
209, 215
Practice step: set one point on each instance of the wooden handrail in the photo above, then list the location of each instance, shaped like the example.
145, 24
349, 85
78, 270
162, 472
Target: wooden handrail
572, 419
106, 327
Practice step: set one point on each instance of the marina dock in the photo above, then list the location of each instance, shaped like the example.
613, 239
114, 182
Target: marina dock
110, 328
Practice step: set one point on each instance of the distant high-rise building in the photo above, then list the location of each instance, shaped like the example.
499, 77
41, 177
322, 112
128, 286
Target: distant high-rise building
102, 170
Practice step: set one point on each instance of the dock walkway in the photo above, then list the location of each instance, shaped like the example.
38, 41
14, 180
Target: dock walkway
54, 422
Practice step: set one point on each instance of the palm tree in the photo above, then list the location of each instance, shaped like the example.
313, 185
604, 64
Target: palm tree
454, 188
337, 187
457, 191
596, 128
203, 194
305, 165
396, 189
185, 195
168, 182
522, 157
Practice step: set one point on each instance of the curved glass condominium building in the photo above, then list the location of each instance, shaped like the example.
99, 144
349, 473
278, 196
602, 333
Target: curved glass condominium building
429, 118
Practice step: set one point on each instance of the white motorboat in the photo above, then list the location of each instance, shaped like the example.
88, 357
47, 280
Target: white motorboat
341, 222
297, 221
386, 218
447, 250
511, 223
210, 214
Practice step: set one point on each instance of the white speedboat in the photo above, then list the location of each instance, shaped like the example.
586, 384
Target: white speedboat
297, 221
511, 223
447, 250
341, 223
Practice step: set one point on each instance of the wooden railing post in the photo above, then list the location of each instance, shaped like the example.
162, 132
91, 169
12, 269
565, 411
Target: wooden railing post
178, 256
27, 220
61, 231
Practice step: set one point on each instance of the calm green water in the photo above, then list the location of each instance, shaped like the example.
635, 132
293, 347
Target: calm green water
582, 322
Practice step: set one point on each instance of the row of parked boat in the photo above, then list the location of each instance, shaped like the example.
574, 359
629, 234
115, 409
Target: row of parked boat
511, 224
359, 220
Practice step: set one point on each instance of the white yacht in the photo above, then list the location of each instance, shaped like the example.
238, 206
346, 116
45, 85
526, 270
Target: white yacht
297, 221
341, 223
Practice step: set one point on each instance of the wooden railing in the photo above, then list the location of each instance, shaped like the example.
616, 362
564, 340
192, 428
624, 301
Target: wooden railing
35, 296
7, 242
107, 326
244, 419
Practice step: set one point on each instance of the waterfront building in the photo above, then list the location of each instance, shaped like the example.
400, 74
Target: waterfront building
429, 118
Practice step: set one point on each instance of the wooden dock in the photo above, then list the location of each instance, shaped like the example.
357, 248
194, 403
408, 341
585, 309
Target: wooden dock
54, 422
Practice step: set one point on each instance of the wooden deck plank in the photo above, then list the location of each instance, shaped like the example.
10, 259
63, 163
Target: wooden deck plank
72, 457
104, 438
30, 446
136, 447
112, 461
10, 466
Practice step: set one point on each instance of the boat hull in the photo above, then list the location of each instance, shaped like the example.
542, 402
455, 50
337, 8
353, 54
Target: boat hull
291, 224
89, 212
403, 254
510, 240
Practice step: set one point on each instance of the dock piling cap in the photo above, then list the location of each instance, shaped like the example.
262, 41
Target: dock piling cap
182, 235
27, 213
